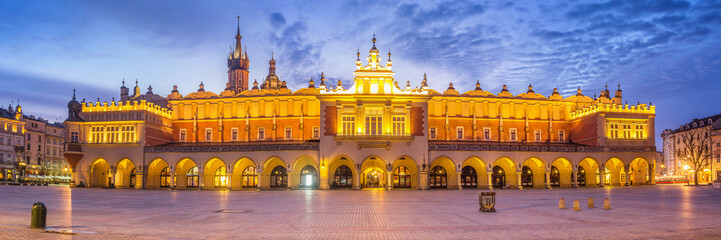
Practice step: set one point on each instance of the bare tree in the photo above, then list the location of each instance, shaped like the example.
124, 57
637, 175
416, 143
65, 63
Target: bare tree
695, 149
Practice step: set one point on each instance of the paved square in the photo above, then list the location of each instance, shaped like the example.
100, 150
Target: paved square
664, 211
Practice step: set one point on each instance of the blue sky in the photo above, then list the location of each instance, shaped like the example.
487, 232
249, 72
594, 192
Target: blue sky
667, 52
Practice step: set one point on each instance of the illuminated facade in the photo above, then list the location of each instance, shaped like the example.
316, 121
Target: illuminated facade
12, 143
376, 133
676, 159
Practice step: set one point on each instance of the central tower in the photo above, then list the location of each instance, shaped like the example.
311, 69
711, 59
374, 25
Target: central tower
238, 66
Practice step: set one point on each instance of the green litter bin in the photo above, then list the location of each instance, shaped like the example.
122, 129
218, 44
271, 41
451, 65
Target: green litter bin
37, 215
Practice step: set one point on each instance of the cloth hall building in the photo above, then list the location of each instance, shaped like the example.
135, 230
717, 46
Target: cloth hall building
376, 133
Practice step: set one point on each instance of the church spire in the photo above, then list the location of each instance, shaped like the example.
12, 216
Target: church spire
238, 53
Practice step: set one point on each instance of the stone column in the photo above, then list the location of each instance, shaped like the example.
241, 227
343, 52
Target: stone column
111, 184
602, 179
458, 176
575, 179
258, 183
627, 183
173, 179
230, 179
323, 177
88, 181
389, 180
290, 182
490, 184
652, 173
423, 180
356, 179
548, 179
518, 179
139, 182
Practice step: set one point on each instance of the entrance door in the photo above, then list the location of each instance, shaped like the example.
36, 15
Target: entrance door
401, 177
581, 177
469, 177
278, 177
373, 179
555, 177
308, 177
438, 177
498, 177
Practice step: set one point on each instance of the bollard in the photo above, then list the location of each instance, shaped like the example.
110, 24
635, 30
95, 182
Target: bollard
561, 204
590, 203
606, 204
576, 205
37, 215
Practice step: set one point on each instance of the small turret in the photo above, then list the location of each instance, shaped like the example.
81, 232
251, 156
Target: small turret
618, 98
74, 108
478, 86
322, 81
424, 83
124, 92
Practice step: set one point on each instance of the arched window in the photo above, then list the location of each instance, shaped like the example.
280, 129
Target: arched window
401, 177
308, 176
192, 177
278, 177
498, 177
343, 177
220, 178
555, 177
249, 177
132, 178
164, 178
527, 177
469, 177
438, 177
581, 176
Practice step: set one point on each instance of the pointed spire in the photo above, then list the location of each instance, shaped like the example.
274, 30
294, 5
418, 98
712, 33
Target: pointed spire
201, 87
123, 82
578, 92
238, 53
150, 89
374, 42
311, 83
530, 88
424, 83
74, 93
238, 34
389, 55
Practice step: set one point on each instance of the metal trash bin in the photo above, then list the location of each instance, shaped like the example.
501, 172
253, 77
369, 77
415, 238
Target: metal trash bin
38, 215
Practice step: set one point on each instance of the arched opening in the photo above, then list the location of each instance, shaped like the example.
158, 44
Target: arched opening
373, 173
308, 177
124, 174
615, 174
215, 174
479, 167
220, 177
165, 178
99, 174
133, 178
158, 174
192, 178
562, 176
591, 174
498, 177
187, 174
438, 178
245, 174
555, 177
581, 176
469, 177
507, 167
343, 177
638, 172
527, 177
249, 177
402, 177
279, 177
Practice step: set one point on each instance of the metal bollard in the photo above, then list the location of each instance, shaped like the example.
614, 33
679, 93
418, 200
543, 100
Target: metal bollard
590, 203
561, 204
38, 215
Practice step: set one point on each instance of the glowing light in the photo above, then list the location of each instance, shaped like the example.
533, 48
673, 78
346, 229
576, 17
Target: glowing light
686, 167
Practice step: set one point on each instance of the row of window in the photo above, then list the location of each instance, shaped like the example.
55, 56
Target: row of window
627, 131
373, 125
9, 141
11, 128
110, 134
512, 134
183, 137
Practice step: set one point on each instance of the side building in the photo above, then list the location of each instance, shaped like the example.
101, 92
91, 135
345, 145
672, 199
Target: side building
12, 143
676, 159
375, 133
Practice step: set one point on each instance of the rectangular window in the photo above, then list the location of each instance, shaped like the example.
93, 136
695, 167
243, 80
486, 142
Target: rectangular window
432, 133
399, 125
537, 135
640, 132
487, 133
29, 137
208, 134
40, 138
614, 131
234, 134
182, 136
374, 125
513, 136
74, 137
261, 133
459, 133
626, 131
561, 136
316, 132
348, 124
288, 133
718, 157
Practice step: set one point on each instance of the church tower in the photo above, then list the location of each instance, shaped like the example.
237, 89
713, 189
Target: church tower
238, 66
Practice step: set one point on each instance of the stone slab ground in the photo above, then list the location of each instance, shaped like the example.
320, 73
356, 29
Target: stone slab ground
662, 211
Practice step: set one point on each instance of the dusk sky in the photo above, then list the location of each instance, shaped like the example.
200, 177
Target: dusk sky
666, 52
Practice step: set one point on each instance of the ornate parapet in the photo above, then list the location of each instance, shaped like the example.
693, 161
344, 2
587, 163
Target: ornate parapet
613, 108
124, 106
509, 147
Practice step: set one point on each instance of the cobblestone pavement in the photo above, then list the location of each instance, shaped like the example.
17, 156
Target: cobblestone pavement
663, 211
